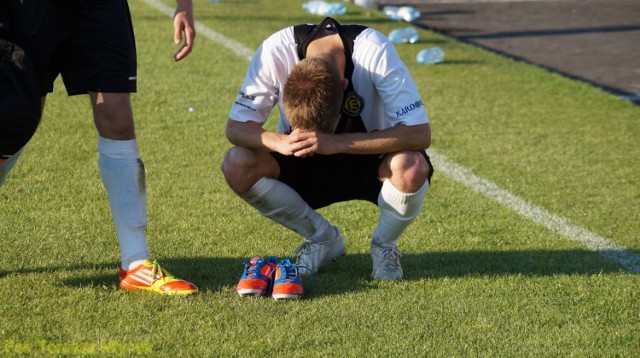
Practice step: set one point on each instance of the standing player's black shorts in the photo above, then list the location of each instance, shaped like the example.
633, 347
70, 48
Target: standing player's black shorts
90, 42
322, 180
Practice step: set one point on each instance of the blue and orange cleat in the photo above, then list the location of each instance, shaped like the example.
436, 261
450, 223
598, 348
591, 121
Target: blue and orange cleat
287, 284
257, 278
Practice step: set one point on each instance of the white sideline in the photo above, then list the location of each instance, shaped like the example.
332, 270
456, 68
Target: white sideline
609, 250
628, 259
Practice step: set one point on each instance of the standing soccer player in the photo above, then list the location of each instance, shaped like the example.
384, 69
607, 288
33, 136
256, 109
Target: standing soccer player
91, 44
352, 127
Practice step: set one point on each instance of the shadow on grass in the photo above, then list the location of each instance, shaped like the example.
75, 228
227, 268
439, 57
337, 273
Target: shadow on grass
352, 272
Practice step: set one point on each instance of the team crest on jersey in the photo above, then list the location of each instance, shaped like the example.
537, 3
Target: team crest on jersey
353, 104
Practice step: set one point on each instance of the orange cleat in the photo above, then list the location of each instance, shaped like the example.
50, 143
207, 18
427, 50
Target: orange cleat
287, 284
257, 278
151, 277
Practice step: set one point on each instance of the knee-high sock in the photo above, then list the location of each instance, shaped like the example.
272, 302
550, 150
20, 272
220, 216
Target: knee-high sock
123, 176
7, 164
397, 211
277, 201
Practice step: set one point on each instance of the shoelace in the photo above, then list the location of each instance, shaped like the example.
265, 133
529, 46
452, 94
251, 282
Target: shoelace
297, 267
251, 270
290, 272
301, 249
157, 270
392, 258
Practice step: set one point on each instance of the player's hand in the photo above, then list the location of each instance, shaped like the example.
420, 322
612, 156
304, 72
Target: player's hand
305, 144
184, 30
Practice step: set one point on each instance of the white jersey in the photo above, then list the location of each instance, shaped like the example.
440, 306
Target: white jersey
380, 78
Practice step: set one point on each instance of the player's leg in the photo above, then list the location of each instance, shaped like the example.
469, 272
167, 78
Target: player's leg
243, 167
252, 175
123, 176
102, 62
406, 177
7, 161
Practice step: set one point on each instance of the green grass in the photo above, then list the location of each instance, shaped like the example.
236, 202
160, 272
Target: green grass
480, 280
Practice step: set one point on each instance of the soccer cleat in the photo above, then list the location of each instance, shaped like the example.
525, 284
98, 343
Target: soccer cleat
257, 278
312, 255
286, 284
386, 262
149, 276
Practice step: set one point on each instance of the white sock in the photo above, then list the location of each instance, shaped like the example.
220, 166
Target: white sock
397, 211
5, 167
277, 201
123, 176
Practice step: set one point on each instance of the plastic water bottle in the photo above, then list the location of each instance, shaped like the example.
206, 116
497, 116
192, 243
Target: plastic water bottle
318, 7
313, 7
403, 36
430, 56
408, 13
338, 9
391, 12
364, 3
402, 13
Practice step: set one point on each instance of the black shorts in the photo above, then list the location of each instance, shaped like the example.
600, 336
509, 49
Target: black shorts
90, 42
322, 180
19, 99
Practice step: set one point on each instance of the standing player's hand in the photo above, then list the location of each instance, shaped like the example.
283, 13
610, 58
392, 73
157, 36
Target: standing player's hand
184, 29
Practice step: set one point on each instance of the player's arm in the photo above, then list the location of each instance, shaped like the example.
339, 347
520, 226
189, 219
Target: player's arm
184, 30
394, 139
251, 135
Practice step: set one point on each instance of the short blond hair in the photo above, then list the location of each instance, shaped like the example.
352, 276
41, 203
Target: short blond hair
313, 95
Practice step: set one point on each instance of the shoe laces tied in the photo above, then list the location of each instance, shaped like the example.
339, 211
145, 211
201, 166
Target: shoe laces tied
251, 270
158, 272
290, 272
391, 257
303, 248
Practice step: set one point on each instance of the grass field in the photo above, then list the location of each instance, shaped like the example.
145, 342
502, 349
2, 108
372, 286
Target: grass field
480, 278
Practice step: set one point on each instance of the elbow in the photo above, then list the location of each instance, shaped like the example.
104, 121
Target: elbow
231, 131
423, 143
424, 137
229, 134
426, 143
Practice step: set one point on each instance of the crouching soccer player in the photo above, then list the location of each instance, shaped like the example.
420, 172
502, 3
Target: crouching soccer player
352, 127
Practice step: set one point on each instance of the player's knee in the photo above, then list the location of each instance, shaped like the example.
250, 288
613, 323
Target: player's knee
231, 160
239, 161
113, 115
243, 166
409, 170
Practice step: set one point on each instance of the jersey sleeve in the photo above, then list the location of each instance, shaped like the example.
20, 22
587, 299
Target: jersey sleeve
259, 91
395, 85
